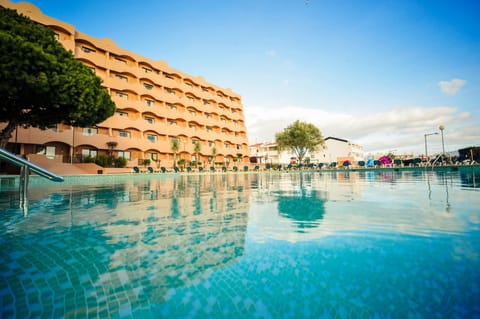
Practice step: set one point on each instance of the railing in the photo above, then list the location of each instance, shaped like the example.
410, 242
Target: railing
21, 162
25, 168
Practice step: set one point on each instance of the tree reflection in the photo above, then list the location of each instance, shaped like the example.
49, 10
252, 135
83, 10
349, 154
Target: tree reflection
304, 206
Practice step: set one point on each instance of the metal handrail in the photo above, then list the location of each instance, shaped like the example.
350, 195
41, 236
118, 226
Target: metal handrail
19, 161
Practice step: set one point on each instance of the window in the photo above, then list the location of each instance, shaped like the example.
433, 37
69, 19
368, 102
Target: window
149, 119
227, 145
211, 144
149, 102
87, 49
152, 138
189, 84
121, 77
89, 153
152, 156
53, 127
121, 95
194, 127
124, 154
235, 122
239, 147
147, 70
48, 151
192, 113
171, 122
205, 102
56, 36
209, 129
234, 111
121, 113
171, 106
170, 91
208, 115
204, 89
148, 86
124, 133
168, 76
223, 119
120, 60
89, 131
191, 98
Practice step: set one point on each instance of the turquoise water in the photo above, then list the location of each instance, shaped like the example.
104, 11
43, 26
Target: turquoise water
292, 245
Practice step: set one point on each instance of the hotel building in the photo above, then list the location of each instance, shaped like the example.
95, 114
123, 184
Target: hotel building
155, 105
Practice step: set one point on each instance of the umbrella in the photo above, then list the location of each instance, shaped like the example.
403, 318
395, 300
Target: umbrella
385, 160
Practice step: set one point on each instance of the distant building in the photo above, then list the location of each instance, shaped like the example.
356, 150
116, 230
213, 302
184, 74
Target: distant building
337, 149
155, 105
334, 150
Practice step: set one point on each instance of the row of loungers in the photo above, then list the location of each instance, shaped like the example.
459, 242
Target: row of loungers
189, 169
415, 162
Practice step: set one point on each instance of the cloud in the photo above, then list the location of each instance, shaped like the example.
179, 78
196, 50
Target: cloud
401, 129
451, 87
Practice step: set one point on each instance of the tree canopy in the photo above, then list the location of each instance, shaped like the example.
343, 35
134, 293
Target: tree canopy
300, 138
41, 83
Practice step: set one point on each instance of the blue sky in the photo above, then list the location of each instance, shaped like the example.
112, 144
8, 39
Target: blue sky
378, 73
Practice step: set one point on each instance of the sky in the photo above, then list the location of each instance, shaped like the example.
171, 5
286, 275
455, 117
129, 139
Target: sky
380, 74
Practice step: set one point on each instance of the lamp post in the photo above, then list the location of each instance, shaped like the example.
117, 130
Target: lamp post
425, 135
441, 128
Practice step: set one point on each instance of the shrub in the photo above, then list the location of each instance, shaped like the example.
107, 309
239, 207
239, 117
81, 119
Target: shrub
120, 162
102, 160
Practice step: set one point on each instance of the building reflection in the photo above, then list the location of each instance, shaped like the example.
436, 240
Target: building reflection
127, 244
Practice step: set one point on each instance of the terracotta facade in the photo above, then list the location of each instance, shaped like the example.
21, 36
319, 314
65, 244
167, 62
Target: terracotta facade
155, 104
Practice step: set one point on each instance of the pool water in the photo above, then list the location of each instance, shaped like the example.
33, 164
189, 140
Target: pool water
369, 244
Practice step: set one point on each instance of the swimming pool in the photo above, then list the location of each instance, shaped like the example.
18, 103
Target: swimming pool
368, 244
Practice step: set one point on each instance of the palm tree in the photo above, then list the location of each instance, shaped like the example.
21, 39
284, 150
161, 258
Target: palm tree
197, 150
214, 152
175, 148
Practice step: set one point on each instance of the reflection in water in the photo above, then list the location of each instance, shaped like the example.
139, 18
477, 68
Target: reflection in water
244, 245
104, 250
303, 205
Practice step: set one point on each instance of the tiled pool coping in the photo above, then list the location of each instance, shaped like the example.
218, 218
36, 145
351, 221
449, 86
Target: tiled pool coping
7, 181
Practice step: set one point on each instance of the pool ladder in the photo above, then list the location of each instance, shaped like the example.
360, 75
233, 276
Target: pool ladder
25, 168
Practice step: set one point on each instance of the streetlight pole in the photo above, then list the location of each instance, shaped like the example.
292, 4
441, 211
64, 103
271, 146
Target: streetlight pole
425, 135
441, 128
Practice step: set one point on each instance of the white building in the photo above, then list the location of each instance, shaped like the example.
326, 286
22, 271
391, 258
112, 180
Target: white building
334, 150
337, 149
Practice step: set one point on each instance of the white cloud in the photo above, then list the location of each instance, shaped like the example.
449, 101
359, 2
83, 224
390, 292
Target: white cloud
400, 129
451, 87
